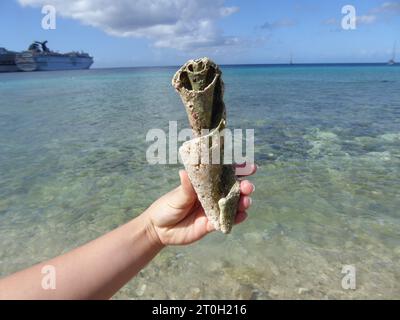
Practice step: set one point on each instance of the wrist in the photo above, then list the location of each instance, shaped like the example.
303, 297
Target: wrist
150, 231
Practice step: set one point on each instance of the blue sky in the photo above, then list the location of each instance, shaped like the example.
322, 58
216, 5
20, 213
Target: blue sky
144, 32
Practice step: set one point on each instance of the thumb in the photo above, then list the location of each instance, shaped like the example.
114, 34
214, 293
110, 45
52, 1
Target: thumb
186, 187
183, 197
179, 202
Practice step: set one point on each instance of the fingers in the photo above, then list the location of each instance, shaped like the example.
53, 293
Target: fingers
245, 169
246, 187
244, 203
240, 217
210, 227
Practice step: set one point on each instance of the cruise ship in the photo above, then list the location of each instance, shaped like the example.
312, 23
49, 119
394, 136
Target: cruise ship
7, 61
39, 57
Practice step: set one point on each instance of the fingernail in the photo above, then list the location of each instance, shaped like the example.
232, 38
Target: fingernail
250, 201
254, 187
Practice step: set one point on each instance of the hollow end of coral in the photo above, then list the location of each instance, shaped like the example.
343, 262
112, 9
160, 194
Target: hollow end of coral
198, 74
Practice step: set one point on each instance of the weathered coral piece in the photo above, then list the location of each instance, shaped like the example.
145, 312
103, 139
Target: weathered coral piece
201, 89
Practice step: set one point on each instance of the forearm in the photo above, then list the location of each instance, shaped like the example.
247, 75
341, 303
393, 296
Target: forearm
96, 270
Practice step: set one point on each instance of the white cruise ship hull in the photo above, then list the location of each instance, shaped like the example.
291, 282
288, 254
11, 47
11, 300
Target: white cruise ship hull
29, 61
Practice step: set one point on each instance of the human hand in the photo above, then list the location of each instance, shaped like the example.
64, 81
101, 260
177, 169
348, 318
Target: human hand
177, 218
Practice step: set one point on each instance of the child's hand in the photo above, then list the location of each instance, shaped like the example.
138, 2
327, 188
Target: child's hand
177, 218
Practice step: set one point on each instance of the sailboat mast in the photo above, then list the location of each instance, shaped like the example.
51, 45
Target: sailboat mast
393, 61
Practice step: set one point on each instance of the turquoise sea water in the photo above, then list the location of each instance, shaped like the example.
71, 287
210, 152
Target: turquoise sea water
73, 166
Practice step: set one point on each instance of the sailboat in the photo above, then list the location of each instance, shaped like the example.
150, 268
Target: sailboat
392, 61
291, 59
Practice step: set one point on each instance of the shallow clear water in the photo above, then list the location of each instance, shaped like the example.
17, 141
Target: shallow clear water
72, 166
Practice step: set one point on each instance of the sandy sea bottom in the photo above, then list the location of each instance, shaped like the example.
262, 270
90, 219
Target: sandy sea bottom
72, 167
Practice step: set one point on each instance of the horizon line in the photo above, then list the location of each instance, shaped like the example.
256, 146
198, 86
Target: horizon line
256, 64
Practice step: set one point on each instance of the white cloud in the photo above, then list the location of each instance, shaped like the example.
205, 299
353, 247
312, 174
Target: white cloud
385, 9
227, 11
179, 24
374, 14
283, 23
330, 22
366, 19
388, 7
